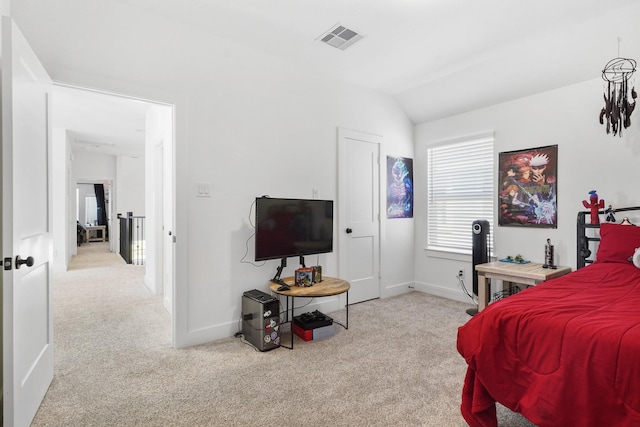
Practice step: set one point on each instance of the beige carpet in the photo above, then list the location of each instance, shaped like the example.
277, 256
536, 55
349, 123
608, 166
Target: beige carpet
114, 366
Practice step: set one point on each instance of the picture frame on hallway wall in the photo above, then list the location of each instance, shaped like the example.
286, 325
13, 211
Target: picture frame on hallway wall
527, 187
399, 187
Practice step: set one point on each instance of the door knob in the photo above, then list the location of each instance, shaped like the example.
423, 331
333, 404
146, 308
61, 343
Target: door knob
349, 231
20, 261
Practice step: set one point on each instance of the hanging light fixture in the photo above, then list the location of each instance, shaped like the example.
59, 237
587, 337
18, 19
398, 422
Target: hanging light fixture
617, 107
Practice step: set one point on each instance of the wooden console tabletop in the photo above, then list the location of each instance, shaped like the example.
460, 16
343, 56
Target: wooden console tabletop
527, 274
329, 286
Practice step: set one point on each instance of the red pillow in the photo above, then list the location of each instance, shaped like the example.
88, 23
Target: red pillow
617, 242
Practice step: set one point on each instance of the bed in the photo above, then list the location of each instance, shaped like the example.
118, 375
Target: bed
565, 352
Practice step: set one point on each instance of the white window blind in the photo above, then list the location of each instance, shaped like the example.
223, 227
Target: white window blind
460, 191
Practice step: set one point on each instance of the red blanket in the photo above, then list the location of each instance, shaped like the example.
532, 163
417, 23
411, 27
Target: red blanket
563, 353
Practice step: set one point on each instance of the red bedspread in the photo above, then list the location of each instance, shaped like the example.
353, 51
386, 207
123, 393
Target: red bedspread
563, 353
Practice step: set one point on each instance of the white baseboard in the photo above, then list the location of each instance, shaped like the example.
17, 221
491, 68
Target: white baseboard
453, 294
397, 289
152, 286
60, 268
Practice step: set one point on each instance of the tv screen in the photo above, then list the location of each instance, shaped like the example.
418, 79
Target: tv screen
293, 227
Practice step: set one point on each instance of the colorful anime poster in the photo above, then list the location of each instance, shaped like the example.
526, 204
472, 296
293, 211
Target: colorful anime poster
399, 187
527, 185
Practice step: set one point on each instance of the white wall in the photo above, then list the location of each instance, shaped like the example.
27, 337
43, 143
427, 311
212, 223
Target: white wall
89, 167
397, 237
60, 205
588, 159
130, 185
245, 122
276, 137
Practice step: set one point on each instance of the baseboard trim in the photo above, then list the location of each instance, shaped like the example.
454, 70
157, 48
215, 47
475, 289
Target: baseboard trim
60, 267
397, 289
453, 294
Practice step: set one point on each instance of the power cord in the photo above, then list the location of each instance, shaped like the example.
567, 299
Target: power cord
246, 252
464, 288
246, 244
240, 335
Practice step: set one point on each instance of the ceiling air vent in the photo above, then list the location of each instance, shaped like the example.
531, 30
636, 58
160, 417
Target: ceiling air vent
340, 37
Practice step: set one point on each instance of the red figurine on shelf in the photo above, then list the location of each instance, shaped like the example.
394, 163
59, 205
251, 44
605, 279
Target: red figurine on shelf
595, 205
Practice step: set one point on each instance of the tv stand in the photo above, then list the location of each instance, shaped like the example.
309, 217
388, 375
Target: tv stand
276, 278
330, 286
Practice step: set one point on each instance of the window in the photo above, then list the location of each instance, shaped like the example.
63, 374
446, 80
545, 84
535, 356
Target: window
460, 191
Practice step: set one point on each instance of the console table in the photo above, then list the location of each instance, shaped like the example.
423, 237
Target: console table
100, 233
526, 274
329, 286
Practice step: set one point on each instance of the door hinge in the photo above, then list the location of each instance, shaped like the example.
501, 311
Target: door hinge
8, 262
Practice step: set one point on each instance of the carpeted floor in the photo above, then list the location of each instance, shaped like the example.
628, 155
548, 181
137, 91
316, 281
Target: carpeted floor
114, 366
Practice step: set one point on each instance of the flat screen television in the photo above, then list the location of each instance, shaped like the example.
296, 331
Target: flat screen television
292, 227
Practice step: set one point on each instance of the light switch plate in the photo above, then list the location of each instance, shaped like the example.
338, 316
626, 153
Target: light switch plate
203, 189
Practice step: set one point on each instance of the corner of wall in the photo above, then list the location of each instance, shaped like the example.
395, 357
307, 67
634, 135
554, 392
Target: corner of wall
441, 291
397, 289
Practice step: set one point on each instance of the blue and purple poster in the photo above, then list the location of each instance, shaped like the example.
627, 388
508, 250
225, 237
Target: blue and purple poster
399, 187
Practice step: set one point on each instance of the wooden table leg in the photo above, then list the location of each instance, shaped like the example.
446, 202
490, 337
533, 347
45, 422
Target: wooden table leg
483, 292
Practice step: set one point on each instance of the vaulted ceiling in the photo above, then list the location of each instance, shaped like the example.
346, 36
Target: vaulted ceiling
435, 57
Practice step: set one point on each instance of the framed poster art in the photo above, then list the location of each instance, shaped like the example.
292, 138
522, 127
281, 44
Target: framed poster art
527, 186
399, 187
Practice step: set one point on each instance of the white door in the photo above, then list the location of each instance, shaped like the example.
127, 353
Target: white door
359, 213
26, 229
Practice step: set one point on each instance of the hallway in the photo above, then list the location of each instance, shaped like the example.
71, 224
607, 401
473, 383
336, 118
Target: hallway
106, 325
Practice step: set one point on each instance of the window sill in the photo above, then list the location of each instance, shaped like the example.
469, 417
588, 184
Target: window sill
452, 255
448, 254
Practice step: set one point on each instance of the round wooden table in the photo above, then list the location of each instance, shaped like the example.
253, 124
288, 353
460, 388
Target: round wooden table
329, 286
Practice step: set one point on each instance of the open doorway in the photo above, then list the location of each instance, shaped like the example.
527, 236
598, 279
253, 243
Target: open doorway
114, 141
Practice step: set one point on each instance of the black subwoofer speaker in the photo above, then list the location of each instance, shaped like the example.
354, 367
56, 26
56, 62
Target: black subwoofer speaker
479, 248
